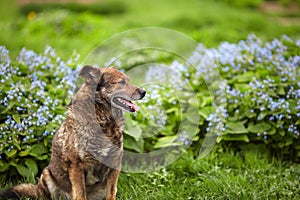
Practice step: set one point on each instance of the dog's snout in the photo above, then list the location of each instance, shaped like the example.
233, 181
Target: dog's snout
142, 93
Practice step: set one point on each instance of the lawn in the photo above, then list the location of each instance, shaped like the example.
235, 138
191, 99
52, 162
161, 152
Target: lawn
208, 22
250, 172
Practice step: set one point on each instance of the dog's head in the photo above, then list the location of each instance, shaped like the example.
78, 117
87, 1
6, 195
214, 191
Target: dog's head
112, 87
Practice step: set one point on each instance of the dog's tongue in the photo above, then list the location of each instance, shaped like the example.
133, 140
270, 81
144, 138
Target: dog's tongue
133, 106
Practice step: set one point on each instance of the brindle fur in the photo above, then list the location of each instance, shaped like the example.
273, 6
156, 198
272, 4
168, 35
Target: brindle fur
87, 149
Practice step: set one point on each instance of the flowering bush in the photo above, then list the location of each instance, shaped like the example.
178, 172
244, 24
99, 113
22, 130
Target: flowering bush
262, 92
260, 83
34, 91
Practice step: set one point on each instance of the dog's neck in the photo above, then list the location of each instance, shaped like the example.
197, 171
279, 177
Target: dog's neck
106, 114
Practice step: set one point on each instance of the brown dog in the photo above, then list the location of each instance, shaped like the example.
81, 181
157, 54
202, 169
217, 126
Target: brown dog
88, 147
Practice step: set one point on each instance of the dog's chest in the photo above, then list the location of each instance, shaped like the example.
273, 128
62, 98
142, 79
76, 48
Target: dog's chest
97, 174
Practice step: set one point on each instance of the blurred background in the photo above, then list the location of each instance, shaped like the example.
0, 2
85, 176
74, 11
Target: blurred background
80, 25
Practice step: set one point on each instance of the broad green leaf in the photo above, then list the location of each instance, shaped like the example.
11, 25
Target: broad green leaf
16, 117
235, 127
259, 127
194, 102
132, 143
244, 77
272, 131
133, 129
31, 164
233, 137
38, 150
289, 141
3, 166
280, 90
281, 132
11, 153
206, 111
25, 171
205, 101
43, 157
13, 163
23, 153
192, 115
166, 142
16, 143
173, 109
262, 115
243, 87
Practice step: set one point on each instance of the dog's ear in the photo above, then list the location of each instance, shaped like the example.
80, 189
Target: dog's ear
90, 74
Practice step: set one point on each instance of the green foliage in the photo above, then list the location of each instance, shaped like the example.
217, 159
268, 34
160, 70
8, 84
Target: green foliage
262, 94
261, 103
103, 7
35, 88
260, 81
245, 3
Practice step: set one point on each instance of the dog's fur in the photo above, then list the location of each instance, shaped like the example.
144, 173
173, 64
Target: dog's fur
88, 147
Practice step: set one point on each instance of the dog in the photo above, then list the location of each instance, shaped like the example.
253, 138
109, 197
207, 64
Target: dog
87, 149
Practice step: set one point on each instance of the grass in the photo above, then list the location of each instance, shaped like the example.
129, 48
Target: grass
208, 22
248, 174
244, 175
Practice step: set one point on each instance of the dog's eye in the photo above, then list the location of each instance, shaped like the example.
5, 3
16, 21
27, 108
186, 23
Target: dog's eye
123, 82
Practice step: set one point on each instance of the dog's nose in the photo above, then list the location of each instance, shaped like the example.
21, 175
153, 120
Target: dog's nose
142, 93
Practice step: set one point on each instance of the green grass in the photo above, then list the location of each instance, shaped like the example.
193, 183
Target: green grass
208, 22
244, 175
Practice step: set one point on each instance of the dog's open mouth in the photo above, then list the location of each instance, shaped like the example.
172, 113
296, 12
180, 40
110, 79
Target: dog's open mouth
125, 104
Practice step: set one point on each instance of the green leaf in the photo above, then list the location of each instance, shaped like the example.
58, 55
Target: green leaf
16, 117
23, 153
235, 127
133, 129
259, 127
43, 157
205, 101
173, 109
166, 142
132, 143
281, 132
244, 77
280, 90
243, 87
262, 115
233, 137
11, 153
192, 115
272, 131
8, 107
31, 164
38, 150
194, 102
3, 166
206, 111
25, 171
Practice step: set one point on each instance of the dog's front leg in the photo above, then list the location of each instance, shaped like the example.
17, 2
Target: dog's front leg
76, 175
111, 186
